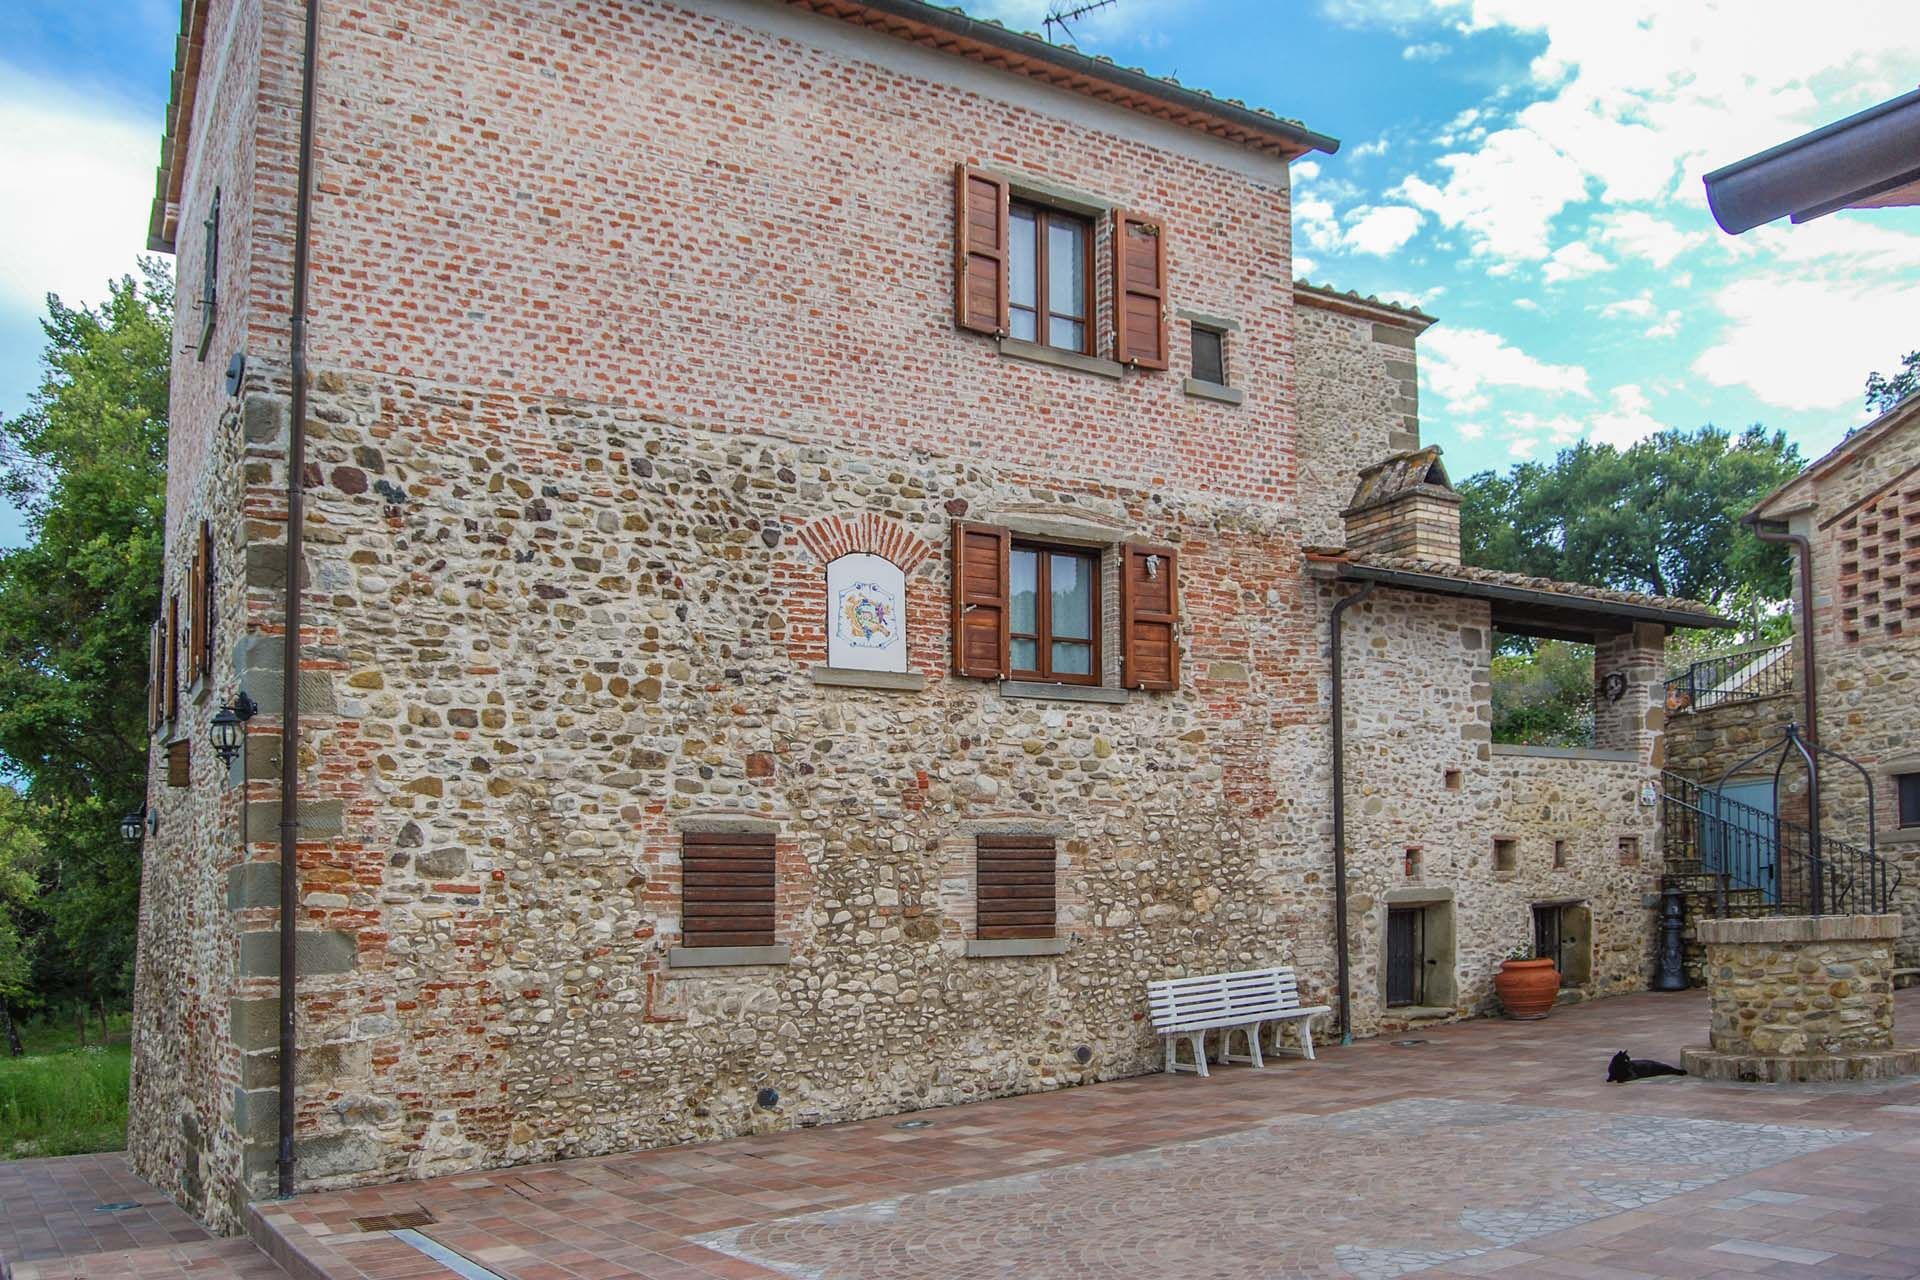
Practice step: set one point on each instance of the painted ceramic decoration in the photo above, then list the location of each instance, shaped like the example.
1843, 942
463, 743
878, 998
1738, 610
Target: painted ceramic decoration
866, 623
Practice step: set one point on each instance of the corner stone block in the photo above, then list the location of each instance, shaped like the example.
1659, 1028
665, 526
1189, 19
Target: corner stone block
334, 1154
264, 418
316, 951
319, 819
253, 884
256, 1115
256, 1023
256, 661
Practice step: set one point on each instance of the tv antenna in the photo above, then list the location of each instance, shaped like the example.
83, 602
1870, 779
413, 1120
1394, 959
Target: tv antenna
1057, 17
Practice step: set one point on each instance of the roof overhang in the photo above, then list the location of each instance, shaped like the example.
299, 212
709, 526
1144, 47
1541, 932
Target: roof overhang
1868, 160
1534, 611
1793, 497
953, 32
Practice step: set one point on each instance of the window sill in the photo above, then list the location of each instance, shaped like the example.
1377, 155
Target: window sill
1064, 692
717, 957
987, 948
197, 691
1214, 391
1900, 835
1567, 753
1418, 1011
847, 678
1015, 349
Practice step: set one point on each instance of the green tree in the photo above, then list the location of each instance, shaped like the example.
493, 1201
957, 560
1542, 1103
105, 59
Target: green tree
1544, 698
19, 861
1662, 516
1883, 393
86, 462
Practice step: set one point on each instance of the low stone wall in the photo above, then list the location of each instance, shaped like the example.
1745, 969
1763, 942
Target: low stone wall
1801, 998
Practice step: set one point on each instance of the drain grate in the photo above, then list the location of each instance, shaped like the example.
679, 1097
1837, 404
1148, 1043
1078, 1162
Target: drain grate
1408, 1044
914, 1124
396, 1221
118, 1206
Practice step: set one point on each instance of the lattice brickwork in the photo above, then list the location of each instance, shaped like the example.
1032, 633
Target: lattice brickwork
1880, 565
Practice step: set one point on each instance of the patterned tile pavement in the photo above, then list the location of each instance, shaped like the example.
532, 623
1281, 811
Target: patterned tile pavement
1488, 1148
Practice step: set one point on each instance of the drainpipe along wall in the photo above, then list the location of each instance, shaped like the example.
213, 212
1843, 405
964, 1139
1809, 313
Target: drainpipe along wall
1803, 557
290, 661
1340, 608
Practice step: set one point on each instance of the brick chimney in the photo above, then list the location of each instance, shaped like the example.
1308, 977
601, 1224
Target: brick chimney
1405, 506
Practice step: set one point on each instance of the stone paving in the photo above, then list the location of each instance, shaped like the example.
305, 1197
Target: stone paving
1485, 1148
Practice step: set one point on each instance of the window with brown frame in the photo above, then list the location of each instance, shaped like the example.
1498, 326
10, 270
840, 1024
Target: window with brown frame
172, 672
1049, 277
200, 660
1014, 884
1054, 613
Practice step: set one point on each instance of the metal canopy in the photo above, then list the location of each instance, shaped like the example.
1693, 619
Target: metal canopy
1530, 611
1871, 159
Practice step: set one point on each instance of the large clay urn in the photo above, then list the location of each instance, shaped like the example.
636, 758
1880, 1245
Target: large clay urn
1527, 987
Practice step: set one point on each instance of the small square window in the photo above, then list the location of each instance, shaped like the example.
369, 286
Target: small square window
1629, 851
1559, 853
1209, 355
1453, 779
1506, 854
1907, 785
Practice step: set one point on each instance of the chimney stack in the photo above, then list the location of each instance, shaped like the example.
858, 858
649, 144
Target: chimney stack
1405, 507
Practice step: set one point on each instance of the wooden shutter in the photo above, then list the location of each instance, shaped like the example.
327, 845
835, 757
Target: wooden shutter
156, 664
1014, 887
1139, 290
180, 763
980, 244
726, 889
1149, 617
982, 554
202, 656
173, 656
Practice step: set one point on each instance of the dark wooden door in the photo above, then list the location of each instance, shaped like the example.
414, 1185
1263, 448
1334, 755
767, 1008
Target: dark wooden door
1406, 956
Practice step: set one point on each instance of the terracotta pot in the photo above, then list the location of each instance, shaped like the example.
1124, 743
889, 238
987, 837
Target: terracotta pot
1527, 987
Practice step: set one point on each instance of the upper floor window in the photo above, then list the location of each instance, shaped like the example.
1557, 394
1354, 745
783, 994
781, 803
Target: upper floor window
209, 277
1054, 629
1209, 355
1908, 785
1049, 277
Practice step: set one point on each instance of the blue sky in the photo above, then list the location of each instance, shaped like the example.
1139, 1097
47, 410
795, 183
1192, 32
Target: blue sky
1526, 170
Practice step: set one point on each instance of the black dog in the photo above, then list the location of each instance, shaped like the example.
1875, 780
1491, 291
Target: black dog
1623, 1068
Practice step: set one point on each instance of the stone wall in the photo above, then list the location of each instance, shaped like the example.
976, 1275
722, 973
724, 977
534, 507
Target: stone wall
1359, 399
1429, 794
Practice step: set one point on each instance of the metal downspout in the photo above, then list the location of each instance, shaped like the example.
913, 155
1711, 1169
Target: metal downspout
1340, 608
1803, 556
290, 661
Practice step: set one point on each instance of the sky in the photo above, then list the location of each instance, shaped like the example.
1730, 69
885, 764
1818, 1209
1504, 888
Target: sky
1526, 170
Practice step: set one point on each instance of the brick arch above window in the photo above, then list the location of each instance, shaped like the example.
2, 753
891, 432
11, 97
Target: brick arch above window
830, 537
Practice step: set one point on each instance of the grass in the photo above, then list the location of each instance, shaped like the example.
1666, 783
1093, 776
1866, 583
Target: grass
62, 1099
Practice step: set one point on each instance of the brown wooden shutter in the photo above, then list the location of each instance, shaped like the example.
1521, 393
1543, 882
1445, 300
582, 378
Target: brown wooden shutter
980, 242
1149, 617
1139, 290
726, 889
173, 656
200, 658
180, 763
982, 554
1014, 879
156, 666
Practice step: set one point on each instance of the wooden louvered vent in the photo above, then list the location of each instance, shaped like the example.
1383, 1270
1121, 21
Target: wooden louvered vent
1016, 887
727, 889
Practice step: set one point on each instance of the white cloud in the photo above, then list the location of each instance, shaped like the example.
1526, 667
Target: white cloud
1504, 196
1571, 261
1644, 236
1668, 326
1627, 420
1305, 170
1304, 266
1641, 308
1471, 430
1806, 342
1412, 298
1378, 147
1432, 51
1526, 304
1381, 229
1462, 365
82, 180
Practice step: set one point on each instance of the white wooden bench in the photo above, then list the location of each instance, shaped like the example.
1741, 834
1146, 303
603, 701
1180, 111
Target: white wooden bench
1188, 1008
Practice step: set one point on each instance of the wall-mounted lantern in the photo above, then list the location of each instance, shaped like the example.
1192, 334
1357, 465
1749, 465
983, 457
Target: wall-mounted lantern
230, 727
132, 826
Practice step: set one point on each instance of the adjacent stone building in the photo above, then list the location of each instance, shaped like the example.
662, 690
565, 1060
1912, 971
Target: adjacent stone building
821, 525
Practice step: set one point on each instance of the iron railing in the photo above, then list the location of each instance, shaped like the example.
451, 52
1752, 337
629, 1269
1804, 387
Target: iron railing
1732, 677
1757, 863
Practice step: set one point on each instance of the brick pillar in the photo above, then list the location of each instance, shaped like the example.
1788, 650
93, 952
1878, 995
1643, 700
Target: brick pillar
1636, 719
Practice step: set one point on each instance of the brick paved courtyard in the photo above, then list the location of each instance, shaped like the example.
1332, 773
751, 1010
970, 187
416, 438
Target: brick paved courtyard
1491, 1147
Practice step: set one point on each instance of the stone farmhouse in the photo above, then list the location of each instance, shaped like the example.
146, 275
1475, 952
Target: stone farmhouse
783, 560
1853, 521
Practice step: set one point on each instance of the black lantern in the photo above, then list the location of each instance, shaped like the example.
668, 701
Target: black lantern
229, 727
132, 826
